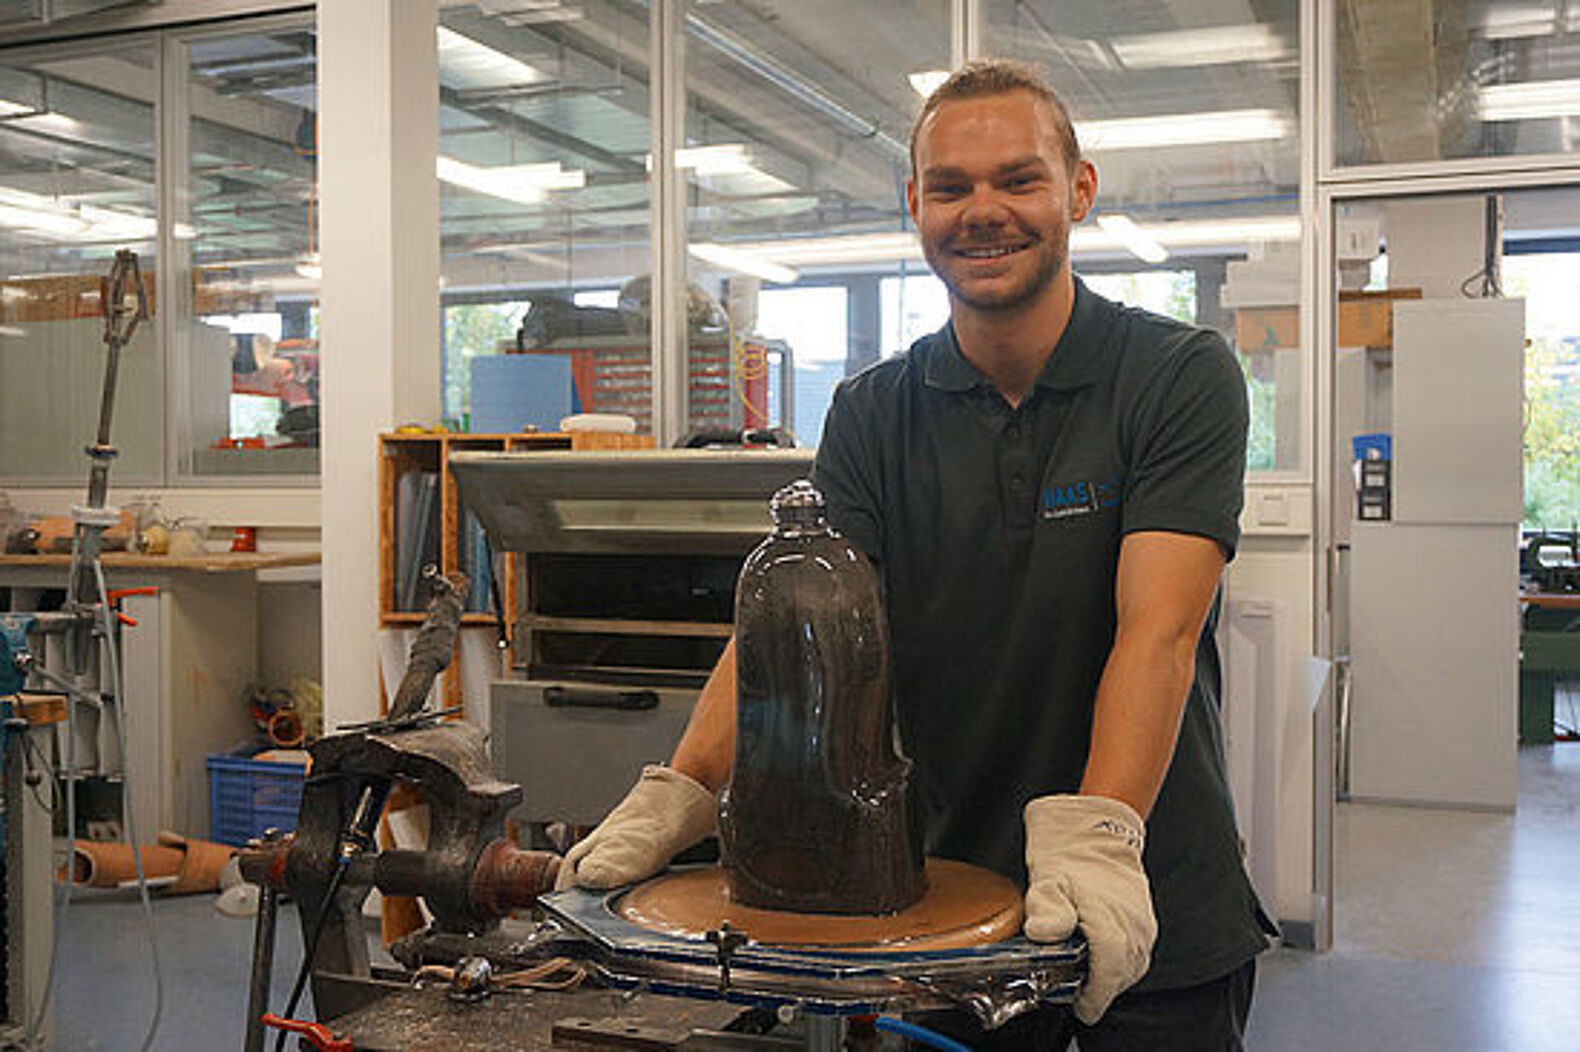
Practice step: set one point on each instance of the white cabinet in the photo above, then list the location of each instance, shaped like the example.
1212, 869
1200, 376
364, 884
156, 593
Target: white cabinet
1433, 594
187, 664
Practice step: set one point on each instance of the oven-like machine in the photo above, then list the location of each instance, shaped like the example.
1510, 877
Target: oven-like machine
625, 588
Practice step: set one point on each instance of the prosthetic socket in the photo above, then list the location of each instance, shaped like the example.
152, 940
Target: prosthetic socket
817, 816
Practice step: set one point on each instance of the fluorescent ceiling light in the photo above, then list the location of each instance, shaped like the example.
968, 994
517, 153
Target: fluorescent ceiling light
1531, 100
46, 220
926, 81
744, 262
1182, 129
464, 63
727, 158
523, 183
1213, 46
1512, 21
15, 109
116, 225
57, 123
825, 251
1135, 240
1196, 233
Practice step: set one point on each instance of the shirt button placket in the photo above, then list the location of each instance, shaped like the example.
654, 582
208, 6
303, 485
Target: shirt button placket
1017, 497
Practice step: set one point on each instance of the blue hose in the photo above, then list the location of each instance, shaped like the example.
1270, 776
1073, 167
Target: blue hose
920, 1034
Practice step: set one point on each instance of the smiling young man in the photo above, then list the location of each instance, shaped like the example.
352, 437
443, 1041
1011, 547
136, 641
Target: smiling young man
1050, 486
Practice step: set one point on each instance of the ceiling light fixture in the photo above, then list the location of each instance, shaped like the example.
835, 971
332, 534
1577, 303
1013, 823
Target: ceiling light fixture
1532, 100
726, 158
926, 81
43, 220
115, 225
1132, 237
751, 263
825, 251
1210, 46
310, 265
1182, 129
464, 63
1233, 234
522, 183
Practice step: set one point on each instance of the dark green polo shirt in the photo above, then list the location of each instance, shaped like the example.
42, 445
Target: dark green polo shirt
997, 532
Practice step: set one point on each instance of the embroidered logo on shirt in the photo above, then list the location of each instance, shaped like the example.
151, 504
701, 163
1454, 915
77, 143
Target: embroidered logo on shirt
1063, 500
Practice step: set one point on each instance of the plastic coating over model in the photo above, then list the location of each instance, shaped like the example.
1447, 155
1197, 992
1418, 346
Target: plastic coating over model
816, 817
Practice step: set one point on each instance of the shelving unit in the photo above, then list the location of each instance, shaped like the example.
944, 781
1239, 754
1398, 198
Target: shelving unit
401, 455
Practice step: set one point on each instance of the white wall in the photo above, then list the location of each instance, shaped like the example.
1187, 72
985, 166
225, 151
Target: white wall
1275, 563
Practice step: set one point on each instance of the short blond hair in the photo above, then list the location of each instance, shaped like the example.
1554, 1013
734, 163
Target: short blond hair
985, 77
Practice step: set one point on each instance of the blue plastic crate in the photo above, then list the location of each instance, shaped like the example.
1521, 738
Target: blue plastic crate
247, 797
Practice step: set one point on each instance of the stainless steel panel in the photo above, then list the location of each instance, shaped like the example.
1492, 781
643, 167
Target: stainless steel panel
690, 501
574, 763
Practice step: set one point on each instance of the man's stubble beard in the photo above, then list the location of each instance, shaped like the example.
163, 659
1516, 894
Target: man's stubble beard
1049, 263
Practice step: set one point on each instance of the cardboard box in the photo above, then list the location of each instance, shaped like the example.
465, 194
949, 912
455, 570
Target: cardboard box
1365, 320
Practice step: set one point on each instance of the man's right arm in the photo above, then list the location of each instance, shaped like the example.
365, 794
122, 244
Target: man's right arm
706, 751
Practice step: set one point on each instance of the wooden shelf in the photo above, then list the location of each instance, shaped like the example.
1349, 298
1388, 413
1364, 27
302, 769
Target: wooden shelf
215, 562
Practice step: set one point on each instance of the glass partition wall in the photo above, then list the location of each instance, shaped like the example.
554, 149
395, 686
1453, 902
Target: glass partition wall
1415, 82
544, 145
197, 150
245, 236
1191, 116
795, 158
77, 182
791, 157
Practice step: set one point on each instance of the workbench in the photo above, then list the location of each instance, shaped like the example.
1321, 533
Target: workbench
427, 1020
1549, 653
194, 651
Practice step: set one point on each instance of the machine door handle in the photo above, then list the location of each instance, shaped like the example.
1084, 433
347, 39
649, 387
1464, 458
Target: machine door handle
584, 698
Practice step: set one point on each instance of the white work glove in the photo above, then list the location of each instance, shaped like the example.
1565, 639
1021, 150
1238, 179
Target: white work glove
663, 814
1083, 856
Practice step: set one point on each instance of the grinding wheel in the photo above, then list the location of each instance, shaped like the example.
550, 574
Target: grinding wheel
964, 906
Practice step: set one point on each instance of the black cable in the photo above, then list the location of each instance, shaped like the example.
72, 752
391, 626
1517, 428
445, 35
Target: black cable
341, 865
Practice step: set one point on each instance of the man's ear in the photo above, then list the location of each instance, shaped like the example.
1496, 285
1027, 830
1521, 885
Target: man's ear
1083, 190
910, 197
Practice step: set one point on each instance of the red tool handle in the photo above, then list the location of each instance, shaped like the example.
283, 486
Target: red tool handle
115, 595
317, 1033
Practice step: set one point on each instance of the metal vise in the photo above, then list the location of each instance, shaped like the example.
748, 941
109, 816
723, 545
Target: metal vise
469, 876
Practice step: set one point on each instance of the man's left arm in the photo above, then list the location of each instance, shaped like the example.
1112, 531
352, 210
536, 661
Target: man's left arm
1182, 502
1163, 590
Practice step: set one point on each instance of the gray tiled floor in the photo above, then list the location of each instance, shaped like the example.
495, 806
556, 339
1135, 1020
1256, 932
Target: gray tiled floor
1455, 931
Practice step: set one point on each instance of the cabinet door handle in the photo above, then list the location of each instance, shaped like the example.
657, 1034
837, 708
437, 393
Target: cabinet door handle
584, 698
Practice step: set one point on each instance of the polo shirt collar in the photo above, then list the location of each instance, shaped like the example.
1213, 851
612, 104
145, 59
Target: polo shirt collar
1074, 363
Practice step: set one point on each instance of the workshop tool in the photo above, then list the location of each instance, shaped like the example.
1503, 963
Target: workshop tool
469, 875
87, 620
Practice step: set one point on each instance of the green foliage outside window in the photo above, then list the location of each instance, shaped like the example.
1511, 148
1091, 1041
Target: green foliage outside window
1547, 282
